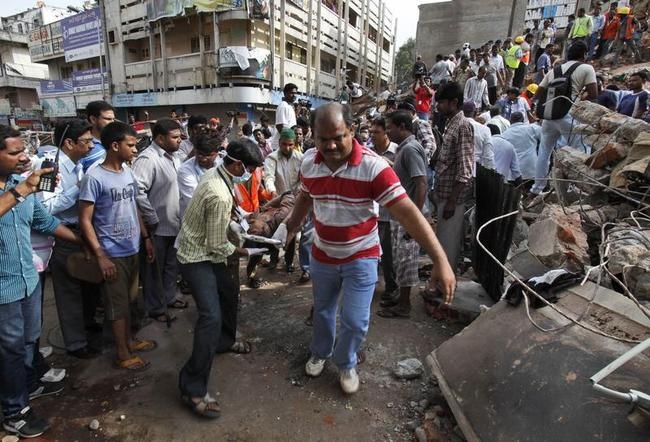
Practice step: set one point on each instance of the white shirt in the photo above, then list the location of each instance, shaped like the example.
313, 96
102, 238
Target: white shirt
285, 115
483, 153
505, 158
500, 122
477, 91
525, 138
184, 150
282, 173
189, 175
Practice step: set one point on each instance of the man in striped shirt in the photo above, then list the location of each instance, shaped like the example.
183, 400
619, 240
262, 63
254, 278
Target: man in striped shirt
341, 181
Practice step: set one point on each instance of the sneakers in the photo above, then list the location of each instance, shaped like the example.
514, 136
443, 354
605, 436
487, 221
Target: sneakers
314, 366
53, 375
349, 380
46, 389
26, 424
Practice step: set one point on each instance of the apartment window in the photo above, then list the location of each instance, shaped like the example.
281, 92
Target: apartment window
206, 42
386, 45
66, 72
145, 53
111, 37
194, 44
353, 17
20, 28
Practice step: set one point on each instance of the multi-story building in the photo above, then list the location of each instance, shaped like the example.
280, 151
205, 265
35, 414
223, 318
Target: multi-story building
19, 76
239, 56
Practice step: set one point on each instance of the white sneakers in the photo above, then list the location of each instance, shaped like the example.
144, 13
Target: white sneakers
348, 379
314, 366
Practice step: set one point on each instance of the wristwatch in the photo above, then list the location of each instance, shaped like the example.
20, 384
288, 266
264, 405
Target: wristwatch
17, 195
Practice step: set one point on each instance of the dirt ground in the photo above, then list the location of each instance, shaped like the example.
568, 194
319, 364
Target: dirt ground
265, 395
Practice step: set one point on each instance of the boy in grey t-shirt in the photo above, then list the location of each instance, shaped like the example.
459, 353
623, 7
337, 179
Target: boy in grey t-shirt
111, 224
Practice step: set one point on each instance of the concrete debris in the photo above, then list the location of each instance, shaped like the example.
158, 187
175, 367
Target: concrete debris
557, 239
410, 368
571, 164
93, 425
611, 153
10, 439
629, 256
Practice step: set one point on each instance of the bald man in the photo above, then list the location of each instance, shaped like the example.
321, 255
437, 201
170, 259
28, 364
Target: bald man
341, 181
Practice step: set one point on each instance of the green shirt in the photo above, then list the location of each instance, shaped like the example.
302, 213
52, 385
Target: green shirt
581, 27
203, 235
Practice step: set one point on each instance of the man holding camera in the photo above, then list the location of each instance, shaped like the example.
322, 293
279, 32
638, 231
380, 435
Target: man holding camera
423, 91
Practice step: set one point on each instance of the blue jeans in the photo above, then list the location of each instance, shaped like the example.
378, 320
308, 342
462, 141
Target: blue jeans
552, 130
357, 281
424, 116
20, 328
306, 241
215, 290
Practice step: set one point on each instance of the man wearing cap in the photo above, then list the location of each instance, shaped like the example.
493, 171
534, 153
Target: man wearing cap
209, 262
423, 95
625, 35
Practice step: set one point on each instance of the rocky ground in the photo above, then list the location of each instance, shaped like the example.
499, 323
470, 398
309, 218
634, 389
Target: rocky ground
264, 395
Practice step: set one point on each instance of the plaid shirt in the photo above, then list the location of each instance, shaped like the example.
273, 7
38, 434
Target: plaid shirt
424, 135
456, 157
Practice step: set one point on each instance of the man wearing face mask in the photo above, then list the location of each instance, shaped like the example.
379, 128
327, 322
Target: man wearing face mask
209, 262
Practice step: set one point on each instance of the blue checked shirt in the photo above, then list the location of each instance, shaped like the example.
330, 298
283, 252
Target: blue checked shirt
18, 276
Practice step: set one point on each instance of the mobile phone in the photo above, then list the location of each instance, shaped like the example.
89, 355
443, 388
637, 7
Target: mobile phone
48, 180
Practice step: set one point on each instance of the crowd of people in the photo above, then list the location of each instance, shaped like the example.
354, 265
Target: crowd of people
352, 195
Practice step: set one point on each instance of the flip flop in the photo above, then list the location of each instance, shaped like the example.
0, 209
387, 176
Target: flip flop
143, 345
392, 312
135, 363
178, 304
162, 317
241, 347
206, 407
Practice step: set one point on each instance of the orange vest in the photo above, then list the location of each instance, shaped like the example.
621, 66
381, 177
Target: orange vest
250, 200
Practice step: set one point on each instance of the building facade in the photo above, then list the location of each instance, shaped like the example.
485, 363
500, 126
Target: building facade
236, 55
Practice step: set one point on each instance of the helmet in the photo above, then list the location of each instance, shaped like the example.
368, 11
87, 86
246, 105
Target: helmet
532, 88
519, 39
623, 10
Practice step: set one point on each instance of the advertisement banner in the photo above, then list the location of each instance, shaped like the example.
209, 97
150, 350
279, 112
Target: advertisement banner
134, 100
86, 81
82, 35
63, 106
50, 87
240, 60
157, 9
259, 9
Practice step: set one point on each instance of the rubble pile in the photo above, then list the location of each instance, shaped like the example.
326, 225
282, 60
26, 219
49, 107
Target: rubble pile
600, 208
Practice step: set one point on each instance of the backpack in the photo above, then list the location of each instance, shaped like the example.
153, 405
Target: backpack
555, 107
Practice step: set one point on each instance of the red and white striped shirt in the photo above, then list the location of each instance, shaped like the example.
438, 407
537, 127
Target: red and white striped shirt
345, 213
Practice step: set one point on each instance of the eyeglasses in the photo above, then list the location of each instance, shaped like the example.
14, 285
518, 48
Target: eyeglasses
85, 141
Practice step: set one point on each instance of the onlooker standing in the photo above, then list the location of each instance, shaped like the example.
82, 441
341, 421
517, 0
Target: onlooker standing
625, 35
99, 114
505, 157
75, 299
483, 153
206, 149
285, 114
476, 90
262, 142
495, 72
155, 170
423, 91
196, 125
525, 138
452, 187
20, 291
386, 149
346, 246
598, 23
440, 72
512, 102
410, 166
581, 29
583, 77
635, 103
111, 225
544, 63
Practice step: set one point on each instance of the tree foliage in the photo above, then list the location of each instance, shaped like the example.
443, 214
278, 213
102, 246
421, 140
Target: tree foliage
404, 60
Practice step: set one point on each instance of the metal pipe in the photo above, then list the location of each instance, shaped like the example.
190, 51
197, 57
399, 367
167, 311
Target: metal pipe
621, 360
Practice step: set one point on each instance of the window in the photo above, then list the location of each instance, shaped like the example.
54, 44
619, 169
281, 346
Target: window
66, 72
206, 42
111, 37
145, 53
20, 28
194, 45
353, 17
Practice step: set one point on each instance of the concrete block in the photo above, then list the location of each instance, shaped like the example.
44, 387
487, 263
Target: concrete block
610, 154
588, 112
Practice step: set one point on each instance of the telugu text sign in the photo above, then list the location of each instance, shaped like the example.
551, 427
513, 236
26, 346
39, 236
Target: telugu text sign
82, 35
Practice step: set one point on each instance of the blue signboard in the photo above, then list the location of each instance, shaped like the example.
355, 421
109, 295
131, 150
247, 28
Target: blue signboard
89, 80
82, 34
50, 87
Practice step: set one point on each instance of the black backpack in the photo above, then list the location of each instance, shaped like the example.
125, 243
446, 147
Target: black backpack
555, 101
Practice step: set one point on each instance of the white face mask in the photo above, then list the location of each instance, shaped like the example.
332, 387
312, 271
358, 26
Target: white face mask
241, 179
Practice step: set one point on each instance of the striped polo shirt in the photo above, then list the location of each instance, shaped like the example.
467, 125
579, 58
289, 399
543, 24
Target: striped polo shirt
345, 213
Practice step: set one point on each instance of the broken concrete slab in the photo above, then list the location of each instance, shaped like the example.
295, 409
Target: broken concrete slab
629, 255
466, 306
506, 380
641, 147
570, 164
587, 112
557, 239
610, 154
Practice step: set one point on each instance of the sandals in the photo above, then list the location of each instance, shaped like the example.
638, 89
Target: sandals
305, 277
241, 347
394, 312
135, 363
255, 283
178, 304
143, 345
162, 317
206, 407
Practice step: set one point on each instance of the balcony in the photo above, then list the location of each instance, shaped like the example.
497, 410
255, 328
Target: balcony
19, 82
13, 37
239, 65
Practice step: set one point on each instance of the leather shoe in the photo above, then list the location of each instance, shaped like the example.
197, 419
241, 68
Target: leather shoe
85, 353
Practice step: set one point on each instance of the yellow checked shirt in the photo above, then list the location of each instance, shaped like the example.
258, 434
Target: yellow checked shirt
203, 235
